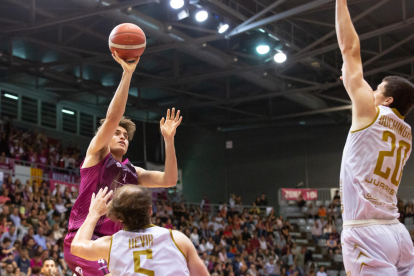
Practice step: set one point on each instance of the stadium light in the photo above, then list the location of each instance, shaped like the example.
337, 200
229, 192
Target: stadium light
280, 57
68, 112
223, 28
263, 49
176, 4
201, 16
11, 96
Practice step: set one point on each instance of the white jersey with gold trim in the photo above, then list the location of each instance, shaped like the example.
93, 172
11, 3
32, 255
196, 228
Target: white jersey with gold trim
151, 251
372, 165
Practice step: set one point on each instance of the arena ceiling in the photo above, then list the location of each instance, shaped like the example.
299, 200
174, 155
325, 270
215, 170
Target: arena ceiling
217, 80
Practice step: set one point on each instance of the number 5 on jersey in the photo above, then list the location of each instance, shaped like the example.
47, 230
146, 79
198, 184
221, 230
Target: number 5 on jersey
396, 178
137, 262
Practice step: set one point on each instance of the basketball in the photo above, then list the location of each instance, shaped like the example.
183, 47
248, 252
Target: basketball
128, 40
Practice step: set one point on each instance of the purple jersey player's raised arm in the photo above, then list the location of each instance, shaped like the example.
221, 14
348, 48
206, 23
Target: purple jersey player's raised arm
103, 167
108, 173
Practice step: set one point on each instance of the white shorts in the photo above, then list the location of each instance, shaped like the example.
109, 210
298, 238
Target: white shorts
380, 250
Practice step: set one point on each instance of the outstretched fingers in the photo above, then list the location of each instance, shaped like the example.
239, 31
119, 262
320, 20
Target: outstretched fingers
179, 121
168, 115
172, 114
162, 121
177, 117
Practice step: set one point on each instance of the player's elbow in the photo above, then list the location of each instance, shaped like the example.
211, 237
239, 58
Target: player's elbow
170, 184
351, 49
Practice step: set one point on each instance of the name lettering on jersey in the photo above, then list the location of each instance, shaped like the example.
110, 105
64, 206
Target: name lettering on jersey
141, 241
373, 199
395, 126
381, 185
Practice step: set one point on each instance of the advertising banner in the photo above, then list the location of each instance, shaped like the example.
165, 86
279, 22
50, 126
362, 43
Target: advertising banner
62, 185
293, 194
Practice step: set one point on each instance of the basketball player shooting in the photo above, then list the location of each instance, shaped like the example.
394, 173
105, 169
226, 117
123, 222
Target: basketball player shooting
104, 166
140, 247
377, 148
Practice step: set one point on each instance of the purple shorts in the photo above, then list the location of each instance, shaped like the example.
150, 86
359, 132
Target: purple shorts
82, 267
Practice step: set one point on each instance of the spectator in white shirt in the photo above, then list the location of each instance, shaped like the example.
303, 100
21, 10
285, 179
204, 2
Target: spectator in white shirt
202, 246
210, 245
194, 237
270, 266
263, 243
321, 272
316, 231
232, 201
60, 205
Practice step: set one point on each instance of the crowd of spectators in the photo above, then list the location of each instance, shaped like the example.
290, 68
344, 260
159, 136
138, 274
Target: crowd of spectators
33, 223
237, 241
324, 223
31, 146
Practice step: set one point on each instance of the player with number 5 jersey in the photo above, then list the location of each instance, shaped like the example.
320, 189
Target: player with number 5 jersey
373, 240
140, 248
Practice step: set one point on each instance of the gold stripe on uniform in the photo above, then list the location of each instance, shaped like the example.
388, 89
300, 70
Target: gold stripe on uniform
376, 117
109, 255
177, 244
398, 113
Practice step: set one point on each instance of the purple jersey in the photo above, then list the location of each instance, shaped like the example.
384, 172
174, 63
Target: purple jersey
107, 173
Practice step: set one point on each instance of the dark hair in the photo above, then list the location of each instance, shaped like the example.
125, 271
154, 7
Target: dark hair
48, 259
126, 123
402, 91
6, 240
36, 269
130, 205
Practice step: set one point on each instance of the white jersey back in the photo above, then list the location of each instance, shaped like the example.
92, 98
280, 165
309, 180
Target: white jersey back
151, 251
372, 165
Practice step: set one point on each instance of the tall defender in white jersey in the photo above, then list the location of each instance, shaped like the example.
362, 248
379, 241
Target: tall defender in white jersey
141, 248
378, 146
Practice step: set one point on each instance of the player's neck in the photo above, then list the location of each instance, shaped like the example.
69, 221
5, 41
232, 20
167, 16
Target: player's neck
117, 157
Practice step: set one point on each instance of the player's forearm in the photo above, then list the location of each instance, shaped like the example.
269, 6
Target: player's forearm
83, 237
171, 170
117, 107
347, 36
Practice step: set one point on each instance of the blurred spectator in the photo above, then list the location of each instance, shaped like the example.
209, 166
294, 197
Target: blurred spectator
23, 262
316, 231
409, 210
300, 202
331, 210
9, 270
332, 245
40, 239
312, 211
328, 229
11, 235
321, 272
337, 198
322, 211
205, 204
232, 201
263, 200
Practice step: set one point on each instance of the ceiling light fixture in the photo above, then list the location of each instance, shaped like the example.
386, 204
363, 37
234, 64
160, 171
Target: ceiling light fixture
223, 28
263, 49
176, 4
280, 57
201, 16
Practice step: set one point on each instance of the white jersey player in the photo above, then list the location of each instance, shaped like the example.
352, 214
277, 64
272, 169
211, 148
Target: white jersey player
374, 242
141, 248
